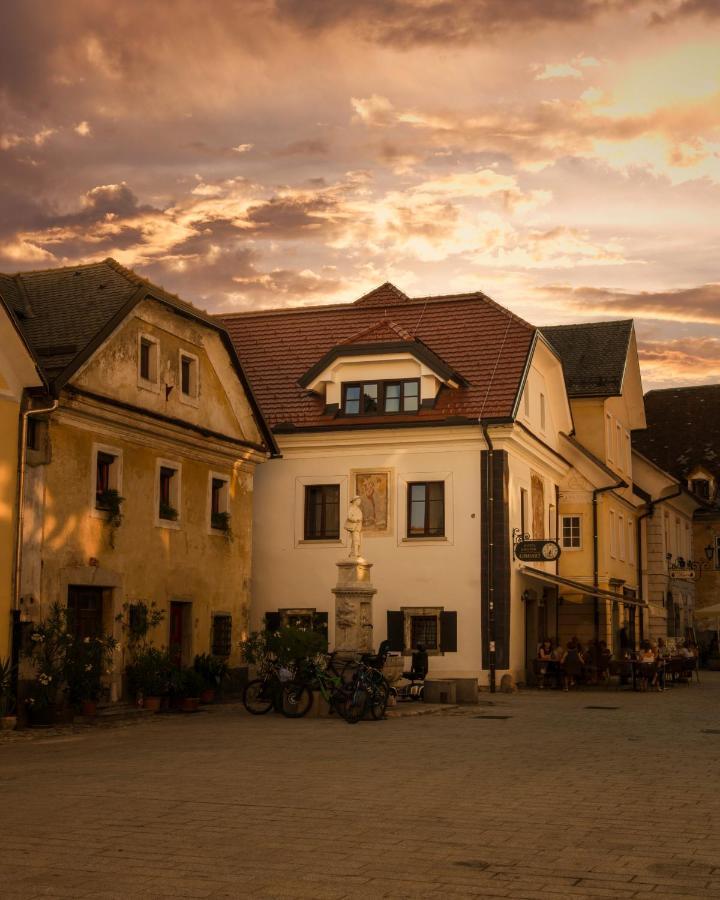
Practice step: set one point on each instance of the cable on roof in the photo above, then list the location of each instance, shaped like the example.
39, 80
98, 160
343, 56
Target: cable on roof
497, 362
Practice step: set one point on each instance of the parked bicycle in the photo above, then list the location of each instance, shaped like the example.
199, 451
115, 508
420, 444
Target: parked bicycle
277, 689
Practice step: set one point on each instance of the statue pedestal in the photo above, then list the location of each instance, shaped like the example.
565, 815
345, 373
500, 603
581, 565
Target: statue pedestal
353, 606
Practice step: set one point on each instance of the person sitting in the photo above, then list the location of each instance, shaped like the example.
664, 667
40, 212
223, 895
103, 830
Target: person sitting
647, 668
377, 660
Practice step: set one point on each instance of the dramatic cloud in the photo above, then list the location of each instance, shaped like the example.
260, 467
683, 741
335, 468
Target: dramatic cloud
272, 152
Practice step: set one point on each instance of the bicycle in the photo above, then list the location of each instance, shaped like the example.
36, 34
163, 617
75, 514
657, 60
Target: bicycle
272, 690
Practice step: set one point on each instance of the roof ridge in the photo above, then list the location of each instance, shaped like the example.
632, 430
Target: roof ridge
586, 324
52, 269
684, 387
385, 286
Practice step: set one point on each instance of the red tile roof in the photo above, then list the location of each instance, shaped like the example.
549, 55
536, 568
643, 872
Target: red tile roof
485, 343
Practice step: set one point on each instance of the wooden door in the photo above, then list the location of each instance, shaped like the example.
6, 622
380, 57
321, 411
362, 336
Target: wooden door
85, 611
176, 640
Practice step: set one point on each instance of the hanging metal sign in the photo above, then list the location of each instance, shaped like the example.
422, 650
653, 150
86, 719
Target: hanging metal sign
537, 551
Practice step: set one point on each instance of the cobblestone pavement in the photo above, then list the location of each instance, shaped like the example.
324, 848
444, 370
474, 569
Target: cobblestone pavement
558, 800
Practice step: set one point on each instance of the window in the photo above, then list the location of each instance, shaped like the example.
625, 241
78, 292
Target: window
322, 512
619, 449
221, 635
621, 537
426, 509
168, 492
219, 502
431, 626
373, 397
542, 412
572, 532
188, 376
717, 552
628, 453
631, 542
613, 536
147, 361
106, 478
700, 487
523, 513
609, 435
104, 464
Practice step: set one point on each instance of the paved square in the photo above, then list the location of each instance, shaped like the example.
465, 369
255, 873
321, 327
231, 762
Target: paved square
558, 800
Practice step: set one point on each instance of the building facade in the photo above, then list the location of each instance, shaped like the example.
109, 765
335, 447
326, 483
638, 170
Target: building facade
138, 484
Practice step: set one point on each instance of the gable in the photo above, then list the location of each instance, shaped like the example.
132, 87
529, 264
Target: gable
221, 404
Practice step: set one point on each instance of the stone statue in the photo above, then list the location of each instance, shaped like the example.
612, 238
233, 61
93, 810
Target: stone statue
353, 525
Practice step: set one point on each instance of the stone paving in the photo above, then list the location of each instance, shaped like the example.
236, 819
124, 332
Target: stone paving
557, 800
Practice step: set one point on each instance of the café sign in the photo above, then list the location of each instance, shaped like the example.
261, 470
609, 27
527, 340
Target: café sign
537, 551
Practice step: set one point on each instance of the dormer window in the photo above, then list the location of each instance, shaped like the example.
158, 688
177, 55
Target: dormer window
378, 397
701, 488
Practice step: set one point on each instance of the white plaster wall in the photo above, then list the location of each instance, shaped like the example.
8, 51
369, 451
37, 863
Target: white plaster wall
287, 573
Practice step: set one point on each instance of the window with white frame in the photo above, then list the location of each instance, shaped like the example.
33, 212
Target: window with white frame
219, 489
168, 492
221, 636
148, 361
543, 413
631, 541
621, 537
189, 376
571, 532
613, 535
628, 453
106, 477
619, 445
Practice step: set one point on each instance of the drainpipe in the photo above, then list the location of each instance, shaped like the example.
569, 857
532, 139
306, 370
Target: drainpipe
22, 450
490, 473
650, 512
596, 576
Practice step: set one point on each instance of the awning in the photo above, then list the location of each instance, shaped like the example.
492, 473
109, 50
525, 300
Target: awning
590, 591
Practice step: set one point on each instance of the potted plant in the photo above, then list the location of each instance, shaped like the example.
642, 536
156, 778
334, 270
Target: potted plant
8, 719
213, 670
167, 512
86, 663
50, 642
149, 677
190, 686
220, 521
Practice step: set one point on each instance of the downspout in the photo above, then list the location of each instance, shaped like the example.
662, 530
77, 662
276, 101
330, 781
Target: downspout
15, 613
490, 478
596, 564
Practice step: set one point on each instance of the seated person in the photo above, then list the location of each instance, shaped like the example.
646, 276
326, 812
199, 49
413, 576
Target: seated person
377, 661
419, 665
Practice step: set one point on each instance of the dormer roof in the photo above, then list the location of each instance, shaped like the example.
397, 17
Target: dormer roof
381, 331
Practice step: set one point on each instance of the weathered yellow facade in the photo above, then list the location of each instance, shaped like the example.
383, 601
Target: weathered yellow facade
188, 568
17, 372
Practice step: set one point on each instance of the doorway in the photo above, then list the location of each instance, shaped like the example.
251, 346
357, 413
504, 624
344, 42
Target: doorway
85, 611
179, 641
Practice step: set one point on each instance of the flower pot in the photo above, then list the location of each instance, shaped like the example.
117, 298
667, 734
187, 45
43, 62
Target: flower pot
189, 704
208, 695
42, 716
88, 708
8, 723
152, 704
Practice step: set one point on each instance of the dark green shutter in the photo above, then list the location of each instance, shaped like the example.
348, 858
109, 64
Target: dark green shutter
272, 621
320, 623
396, 630
448, 632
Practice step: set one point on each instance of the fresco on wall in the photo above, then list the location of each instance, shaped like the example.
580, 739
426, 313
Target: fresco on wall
373, 488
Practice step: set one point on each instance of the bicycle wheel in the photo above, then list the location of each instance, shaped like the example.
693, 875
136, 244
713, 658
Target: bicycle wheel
296, 700
378, 699
257, 697
355, 705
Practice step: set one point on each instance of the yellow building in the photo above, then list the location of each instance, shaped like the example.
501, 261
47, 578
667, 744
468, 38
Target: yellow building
18, 373
598, 509
139, 483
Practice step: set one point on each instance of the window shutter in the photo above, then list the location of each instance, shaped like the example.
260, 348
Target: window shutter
320, 623
272, 621
448, 632
396, 630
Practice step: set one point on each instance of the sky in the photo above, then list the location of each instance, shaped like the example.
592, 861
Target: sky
562, 156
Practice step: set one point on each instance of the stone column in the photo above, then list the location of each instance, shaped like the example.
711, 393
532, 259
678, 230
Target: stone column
353, 606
